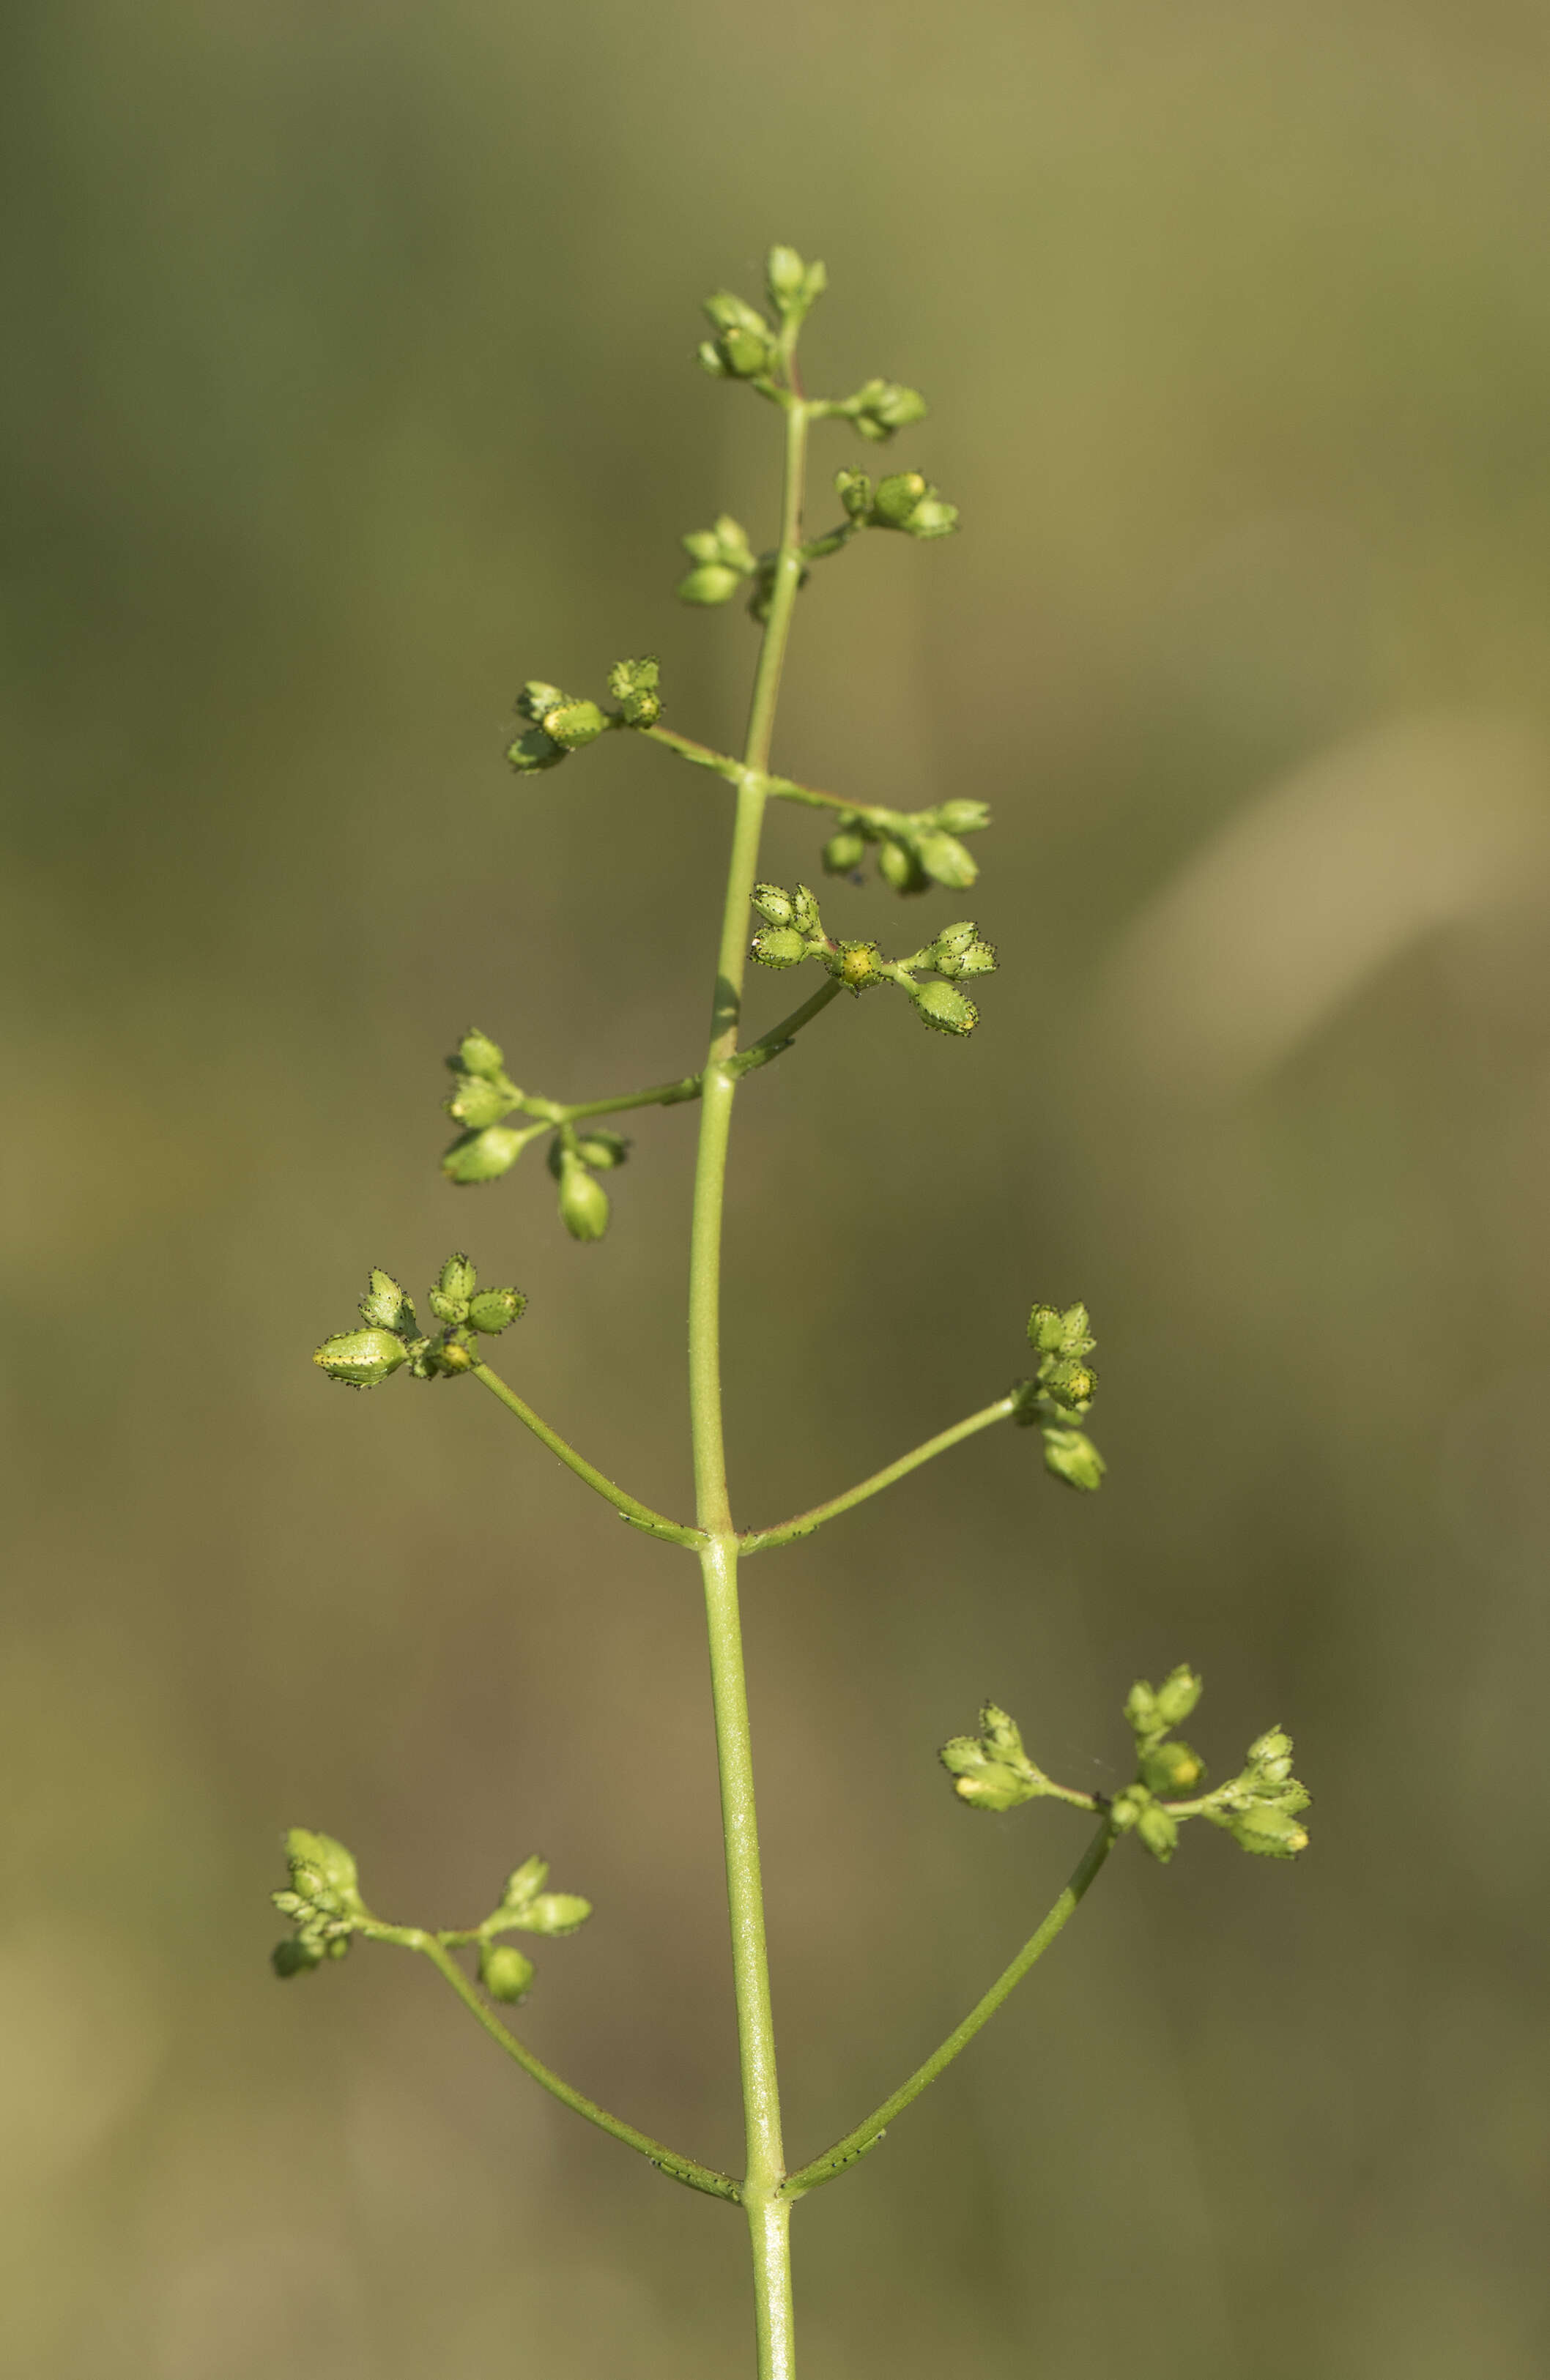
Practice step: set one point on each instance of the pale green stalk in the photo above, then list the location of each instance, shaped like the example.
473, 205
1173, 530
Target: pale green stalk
755, 1540
769, 2214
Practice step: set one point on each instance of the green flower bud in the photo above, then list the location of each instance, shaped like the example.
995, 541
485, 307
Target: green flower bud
708, 356
1273, 1832
448, 1309
321, 1860
793, 286
778, 946
385, 1306
857, 965
1180, 1690
805, 912
574, 723
945, 1008
932, 517
476, 1101
451, 1357
477, 1054
555, 1914
633, 685
854, 490
602, 1150
458, 1278
726, 312
945, 858
899, 867
1125, 1808
775, 908
713, 582
362, 1359
992, 1772
1158, 1832
1069, 1380
503, 1972
537, 700
747, 355
535, 750
1072, 1456
977, 959
584, 1202
524, 1882
882, 407
1174, 1768
496, 1310
955, 939
482, 1156
297, 1955
961, 817
844, 850
898, 497
1053, 1333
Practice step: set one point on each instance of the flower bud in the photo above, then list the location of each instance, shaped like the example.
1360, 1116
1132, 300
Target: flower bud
945, 858
535, 750
854, 490
882, 407
1173, 1767
537, 700
494, 1310
584, 1202
844, 850
555, 1914
858, 965
297, 1955
574, 723
458, 1278
1141, 1709
482, 1156
961, 817
898, 498
450, 1356
932, 517
321, 1860
477, 1054
1180, 1690
362, 1359
726, 312
602, 1150
633, 685
775, 908
778, 946
1072, 1456
385, 1306
708, 356
977, 959
505, 1973
807, 919
713, 582
1271, 1831
897, 865
1158, 1832
477, 1101
793, 286
945, 1008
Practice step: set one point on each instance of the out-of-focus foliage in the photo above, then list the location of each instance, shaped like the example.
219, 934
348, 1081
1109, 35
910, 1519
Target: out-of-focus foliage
350, 378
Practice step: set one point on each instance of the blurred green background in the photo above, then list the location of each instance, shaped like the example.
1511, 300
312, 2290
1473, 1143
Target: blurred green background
350, 383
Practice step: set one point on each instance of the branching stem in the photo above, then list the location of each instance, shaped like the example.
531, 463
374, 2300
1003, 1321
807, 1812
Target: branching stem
756, 1540
782, 789
868, 2133
769, 1044
630, 1508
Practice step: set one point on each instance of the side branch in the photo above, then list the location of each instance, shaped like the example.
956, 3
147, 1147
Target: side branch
630, 1508
805, 1522
693, 2175
866, 2135
686, 1086
782, 789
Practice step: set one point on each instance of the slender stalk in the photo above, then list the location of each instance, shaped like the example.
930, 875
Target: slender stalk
755, 1540
783, 789
867, 2134
688, 2170
769, 1044
768, 2211
630, 1508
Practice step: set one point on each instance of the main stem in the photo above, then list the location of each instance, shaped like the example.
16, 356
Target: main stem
769, 2215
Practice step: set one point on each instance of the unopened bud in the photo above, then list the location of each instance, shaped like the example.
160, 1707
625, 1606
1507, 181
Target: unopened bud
505, 1973
882, 407
537, 700
634, 688
713, 582
459, 1278
1158, 1832
602, 1150
482, 1156
806, 918
946, 860
961, 817
945, 1008
844, 850
575, 723
854, 490
898, 496
584, 1202
477, 1101
297, 1955
477, 1054
858, 965
385, 1306
1180, 1690
778, 946
1274, 1833
362, 1359
496, 1310
775, 908
897, 865
1072, 1456
1174, 1767
533, 751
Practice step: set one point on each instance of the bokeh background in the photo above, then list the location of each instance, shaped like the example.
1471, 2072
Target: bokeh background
351, 381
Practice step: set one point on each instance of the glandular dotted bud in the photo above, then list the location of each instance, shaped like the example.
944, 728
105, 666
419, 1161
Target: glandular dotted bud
584, 1202
477, 1054
362, 1359
385, 1306
496, 1310
897, 496
458, 1278
574, 723
945, 1008
777, 907
844, 850
778, 946
1072, 1456
945, 860
897, 865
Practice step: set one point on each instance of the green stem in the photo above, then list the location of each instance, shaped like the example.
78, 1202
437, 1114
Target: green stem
783, 789
693, 2175
768, 2213
630, 1508
755, 1541
866, 2135
769, 1044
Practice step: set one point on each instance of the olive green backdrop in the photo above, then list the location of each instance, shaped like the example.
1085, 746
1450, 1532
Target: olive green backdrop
351, 381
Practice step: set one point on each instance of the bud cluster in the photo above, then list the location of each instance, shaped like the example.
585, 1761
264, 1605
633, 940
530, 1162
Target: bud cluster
323, 1903
915, 848
507, 1973
560, 724
392, 1336
880, 408
991, 1770
905, 500
723, 559
793, 930
1060, 1393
